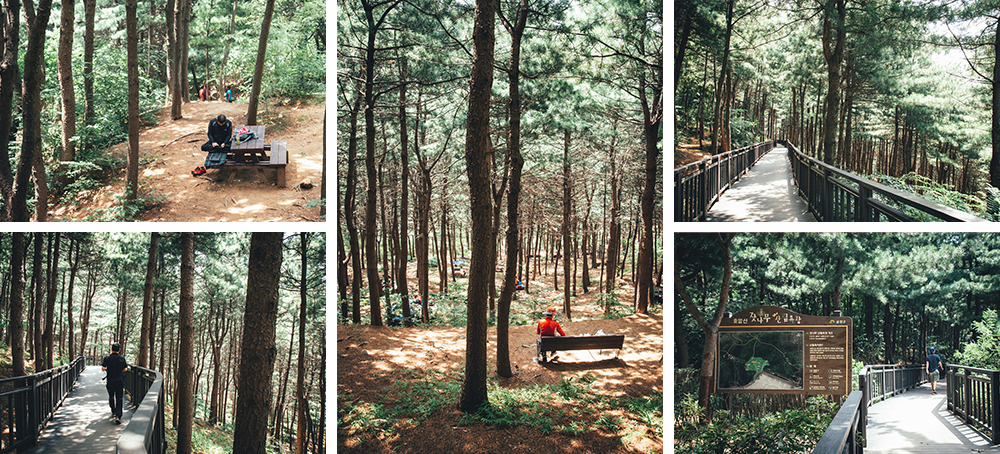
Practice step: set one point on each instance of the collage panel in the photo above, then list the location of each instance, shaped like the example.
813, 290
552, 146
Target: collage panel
500, 214
150, 342
846, 112
168, 111
825, 341
821, 111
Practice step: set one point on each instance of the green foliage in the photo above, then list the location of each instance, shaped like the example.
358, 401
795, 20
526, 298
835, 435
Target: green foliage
931, 190
984, 351
787, 431
511, 407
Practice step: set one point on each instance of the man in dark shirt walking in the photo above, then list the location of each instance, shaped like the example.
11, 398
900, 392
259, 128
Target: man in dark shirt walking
933, 369
115, 365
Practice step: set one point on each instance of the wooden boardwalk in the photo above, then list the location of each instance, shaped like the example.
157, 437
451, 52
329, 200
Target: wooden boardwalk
767, 193
84, 424
919, 422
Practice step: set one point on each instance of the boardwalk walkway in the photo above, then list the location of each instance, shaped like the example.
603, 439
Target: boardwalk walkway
766, 194
919, 422
84, 424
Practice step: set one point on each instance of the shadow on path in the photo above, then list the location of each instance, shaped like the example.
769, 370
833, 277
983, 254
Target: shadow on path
83, 424
767, 193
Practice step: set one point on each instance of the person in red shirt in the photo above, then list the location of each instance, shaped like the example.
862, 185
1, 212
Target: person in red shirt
548, 327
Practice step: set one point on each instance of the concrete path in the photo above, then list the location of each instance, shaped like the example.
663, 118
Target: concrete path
765, 194
84, 424
919, 422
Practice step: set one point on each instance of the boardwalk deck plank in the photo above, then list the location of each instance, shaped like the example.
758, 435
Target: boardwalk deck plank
765, 194
83, 424
919, 422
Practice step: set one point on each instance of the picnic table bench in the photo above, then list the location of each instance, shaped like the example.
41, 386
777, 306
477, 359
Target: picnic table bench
253, 154
565, 343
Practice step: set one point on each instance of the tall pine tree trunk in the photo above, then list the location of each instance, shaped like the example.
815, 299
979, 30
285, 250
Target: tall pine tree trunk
257, 352
516, 30
9, 75
65, 70
31, 105
184, 406
258, 73
131, 23
834, 35
567, 249
302, 405
18, 250
477, 167
147, 301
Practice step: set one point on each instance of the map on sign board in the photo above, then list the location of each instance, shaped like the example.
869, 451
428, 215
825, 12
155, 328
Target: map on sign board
772, 350
761, 360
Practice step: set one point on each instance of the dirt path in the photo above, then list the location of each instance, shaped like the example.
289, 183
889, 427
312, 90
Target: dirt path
372, 360
247, 198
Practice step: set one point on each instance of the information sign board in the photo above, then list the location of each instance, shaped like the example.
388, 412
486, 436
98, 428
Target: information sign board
769, 349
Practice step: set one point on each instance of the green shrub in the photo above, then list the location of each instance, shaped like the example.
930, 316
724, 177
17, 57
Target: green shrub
788, 431
984, 352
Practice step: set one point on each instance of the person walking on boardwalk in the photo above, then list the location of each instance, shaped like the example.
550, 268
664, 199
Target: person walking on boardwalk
115, 365
933, 369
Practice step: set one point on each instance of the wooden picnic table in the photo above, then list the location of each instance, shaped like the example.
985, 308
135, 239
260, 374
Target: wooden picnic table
251, 150
253, 154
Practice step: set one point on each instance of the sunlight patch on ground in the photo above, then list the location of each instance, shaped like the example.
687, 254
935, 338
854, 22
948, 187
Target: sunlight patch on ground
152, 172
255, 207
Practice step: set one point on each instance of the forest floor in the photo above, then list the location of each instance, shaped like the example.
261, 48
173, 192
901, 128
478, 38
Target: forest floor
688, 151
397, 387
172, 149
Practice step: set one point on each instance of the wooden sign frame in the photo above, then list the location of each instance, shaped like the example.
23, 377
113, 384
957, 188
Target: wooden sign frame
799, 354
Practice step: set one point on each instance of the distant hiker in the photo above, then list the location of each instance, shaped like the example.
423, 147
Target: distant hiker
933, 369
204, 94
229, 95
220, 131
115, 365
519, 285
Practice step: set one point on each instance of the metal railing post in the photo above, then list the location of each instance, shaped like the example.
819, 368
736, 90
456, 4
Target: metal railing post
967, 394
994, 407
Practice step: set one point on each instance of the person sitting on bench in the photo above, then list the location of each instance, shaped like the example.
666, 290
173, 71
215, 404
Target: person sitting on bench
548, 326
220, 132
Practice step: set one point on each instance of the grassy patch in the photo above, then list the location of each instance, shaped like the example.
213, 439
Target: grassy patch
409, 400
205, 438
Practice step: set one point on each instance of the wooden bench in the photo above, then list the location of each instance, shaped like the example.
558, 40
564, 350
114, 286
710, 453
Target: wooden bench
277, 161
565, 343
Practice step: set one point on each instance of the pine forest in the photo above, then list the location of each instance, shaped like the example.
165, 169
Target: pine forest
902, 92
228, 329
497, 162
101, 103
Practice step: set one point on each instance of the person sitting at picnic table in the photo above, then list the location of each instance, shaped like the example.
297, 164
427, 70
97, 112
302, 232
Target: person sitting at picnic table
220, 131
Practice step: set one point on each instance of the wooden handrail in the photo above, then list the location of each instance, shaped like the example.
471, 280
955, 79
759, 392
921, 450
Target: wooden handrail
835, 195
974, 396
698, 185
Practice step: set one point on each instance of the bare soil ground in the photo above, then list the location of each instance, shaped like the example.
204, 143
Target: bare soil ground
174, 149
372, 360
